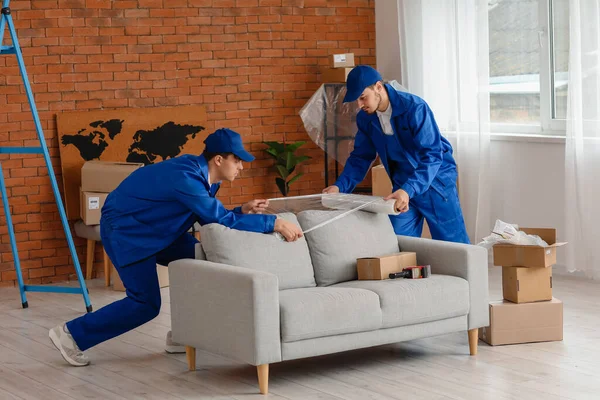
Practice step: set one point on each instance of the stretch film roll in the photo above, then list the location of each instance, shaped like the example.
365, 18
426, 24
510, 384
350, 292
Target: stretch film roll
349, 203
372, 204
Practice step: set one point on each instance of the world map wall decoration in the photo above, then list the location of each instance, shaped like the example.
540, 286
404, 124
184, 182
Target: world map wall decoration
139, 135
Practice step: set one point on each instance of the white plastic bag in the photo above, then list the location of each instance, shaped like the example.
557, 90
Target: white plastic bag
510, 233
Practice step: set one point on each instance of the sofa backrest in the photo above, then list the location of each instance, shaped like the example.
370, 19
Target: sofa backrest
335, 247
289, 261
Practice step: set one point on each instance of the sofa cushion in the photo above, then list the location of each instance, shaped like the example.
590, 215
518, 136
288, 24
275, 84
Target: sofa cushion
289, 261
199, 252
318, 312
335, 247
413, 301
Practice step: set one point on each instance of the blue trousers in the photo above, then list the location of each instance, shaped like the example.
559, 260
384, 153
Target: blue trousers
142, 303
442, 212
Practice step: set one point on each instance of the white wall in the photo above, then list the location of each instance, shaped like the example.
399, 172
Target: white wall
528, 181
387, 39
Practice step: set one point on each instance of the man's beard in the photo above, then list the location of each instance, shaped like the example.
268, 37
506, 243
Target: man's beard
378, 104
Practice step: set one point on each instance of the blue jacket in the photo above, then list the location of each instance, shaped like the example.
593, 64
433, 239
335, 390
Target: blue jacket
416, 156
158, 203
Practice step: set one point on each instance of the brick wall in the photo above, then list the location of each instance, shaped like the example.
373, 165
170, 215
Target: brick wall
252, 63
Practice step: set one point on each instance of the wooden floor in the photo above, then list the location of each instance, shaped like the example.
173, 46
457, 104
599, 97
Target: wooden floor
134, 366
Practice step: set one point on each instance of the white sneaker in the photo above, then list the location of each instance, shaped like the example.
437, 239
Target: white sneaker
63, 341
173, 347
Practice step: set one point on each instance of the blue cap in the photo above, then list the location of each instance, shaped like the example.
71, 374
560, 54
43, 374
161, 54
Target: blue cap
227, 141
360, 78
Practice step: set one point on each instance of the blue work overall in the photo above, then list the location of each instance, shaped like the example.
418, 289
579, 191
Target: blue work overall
145, 221
418, 160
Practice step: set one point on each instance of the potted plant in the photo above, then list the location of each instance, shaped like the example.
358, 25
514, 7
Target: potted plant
285, 163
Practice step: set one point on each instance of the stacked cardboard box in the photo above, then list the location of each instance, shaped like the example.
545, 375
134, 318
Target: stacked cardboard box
529, 312
98, 179
340, 67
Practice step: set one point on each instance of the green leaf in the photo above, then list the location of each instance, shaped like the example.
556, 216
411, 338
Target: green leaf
294, 146
272, 152
295, 177
301, 159
282, 185
282, 171
291, 161
278, 147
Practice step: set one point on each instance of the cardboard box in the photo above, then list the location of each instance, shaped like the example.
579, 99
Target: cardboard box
335, 75
526, 285
511, 255
381, 267
512, 323
91, 206
381, 183
342, 60
105, 176
382, 186
163, 278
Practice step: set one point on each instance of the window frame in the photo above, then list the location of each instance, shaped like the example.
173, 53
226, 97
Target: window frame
548, 125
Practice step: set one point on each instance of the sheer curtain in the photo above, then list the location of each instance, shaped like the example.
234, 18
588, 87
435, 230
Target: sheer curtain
443, 54
582, 157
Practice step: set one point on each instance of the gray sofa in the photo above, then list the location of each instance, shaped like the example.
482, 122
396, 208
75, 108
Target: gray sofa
257, 299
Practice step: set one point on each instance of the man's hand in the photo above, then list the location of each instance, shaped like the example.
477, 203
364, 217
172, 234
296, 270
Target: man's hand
290, 231
331, 189
402, 200
257, 206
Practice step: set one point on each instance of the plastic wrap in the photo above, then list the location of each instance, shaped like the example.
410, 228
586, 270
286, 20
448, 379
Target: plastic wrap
510, 234
330, 122
346, 204
374, 204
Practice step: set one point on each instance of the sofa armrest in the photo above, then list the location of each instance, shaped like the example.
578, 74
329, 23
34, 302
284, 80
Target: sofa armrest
225, 310
456, 259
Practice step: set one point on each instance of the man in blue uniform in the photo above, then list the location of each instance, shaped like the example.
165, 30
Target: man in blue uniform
145, 221
401, 129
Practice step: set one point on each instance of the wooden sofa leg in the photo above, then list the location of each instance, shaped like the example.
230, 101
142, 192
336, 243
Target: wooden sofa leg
89, 261
263, 378
190, 352
473, 339
107, 269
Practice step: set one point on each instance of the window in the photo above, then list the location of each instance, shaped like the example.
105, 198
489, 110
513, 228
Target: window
529, 54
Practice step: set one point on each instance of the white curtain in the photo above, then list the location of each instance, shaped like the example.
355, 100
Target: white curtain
582, 158
444, 59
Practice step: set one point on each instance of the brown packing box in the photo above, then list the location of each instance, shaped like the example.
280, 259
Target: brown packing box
381, 183
511, 255
381, 267
342, 60
335, 75
91, 206
163, 278
512, 323
382, 186
105, 176
526, 285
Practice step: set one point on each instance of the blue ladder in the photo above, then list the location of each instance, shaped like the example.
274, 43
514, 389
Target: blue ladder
6, 19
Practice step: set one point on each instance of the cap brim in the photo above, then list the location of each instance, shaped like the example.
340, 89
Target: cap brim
244, 156
351, 96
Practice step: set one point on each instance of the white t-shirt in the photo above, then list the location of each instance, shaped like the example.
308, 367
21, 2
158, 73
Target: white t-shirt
384, 120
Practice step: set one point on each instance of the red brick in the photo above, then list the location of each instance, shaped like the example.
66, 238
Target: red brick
252, 63
40, 272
